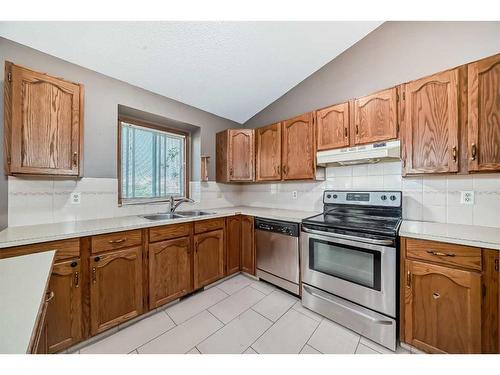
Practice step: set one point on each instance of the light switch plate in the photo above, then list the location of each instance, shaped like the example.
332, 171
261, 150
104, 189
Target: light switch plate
467, 197
76, 198
294, 194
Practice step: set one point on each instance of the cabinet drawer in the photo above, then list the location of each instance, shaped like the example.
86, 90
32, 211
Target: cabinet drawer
169, 231
444, 253
207, 225
105, 242
65, 249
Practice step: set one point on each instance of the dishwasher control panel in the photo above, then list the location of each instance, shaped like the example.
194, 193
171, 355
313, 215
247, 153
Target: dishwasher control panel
277, 226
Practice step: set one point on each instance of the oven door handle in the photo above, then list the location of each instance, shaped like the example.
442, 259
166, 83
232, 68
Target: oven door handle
374, 320
347, 237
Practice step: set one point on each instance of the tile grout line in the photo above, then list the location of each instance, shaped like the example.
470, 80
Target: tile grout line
310, 336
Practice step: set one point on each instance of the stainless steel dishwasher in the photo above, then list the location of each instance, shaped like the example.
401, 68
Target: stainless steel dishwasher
277, 245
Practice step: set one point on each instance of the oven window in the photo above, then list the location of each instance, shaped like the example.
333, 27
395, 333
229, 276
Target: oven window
360, 266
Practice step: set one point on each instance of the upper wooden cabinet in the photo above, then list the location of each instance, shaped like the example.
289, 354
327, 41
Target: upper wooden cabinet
43, 123
298, 148
484, 114
332, 127
235, 155
376, 117
268, 153
115, 288
431, 122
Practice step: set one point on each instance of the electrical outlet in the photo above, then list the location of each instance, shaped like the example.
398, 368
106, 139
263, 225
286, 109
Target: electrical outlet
467, 197
76, 198
294, 194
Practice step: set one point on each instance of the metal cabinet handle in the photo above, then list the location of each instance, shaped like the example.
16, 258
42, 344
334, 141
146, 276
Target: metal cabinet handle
278, 169
75, 159
408, 279
94, 275
345, 132
77, 279
473, 151
118, 241
436, 295
50, 296
440, 254
454, 153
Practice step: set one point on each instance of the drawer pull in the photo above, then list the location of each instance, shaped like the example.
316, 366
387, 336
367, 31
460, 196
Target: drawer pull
436, 295
77, 279
94, 276
440, 254
121, 240
50, 296
408, 279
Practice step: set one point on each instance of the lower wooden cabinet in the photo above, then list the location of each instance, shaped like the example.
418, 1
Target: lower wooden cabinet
115, 288
170, 275
63, 322
233, 244
247, 245
208, 257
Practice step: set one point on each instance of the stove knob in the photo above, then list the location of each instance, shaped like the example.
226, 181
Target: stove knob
328, 196
335, 196
383, 197
393, 197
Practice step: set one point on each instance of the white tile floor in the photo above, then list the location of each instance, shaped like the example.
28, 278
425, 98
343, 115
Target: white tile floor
239, 315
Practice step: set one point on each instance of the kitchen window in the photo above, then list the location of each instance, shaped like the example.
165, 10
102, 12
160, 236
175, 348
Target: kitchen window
153, 163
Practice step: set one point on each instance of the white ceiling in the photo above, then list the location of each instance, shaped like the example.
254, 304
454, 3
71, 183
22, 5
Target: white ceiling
231, 69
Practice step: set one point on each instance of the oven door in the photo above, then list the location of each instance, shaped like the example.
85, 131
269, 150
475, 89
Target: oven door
364, 273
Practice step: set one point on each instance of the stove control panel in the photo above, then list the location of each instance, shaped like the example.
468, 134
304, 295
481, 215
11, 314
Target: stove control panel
363, 198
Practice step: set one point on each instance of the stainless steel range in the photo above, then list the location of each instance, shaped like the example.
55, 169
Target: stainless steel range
349, 259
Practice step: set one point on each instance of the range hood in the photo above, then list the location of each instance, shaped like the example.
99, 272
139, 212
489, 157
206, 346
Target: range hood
366, 154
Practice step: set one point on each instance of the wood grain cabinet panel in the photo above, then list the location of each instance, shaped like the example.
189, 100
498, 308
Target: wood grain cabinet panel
431, 124
118, 240
63, 323
235, 160
115, 288
332, 127
44, 123
299, 148
170, 275
484, 114
442, 308
247, 245
268, 153
65, 249
168, 232
233, 244
375, 117
208, 257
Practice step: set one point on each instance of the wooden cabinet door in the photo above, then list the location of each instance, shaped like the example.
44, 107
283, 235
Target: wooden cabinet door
247, 245
375, 117
63, 322
332, 127
44, 122
431, 124
241, 155
442, 308
233, 244
115, 288
268, 160
170, 275
208, 257
484, 114
298, 148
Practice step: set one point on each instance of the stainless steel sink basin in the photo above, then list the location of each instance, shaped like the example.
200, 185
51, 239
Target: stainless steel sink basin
162, 216
193, 213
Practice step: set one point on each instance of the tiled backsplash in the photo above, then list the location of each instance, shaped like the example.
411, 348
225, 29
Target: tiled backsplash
35, 201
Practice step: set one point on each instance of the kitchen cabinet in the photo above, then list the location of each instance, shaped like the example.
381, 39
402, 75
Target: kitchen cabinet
247, 244
268, 153
298, 148
235, 155
233, 244
431, 124
442, 308
483, 114
63, 323
208, 257
43, 124
332, 127
170, 275
115, 288
376, 117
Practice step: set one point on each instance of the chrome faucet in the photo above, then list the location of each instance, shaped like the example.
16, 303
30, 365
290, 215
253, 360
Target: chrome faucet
174, 205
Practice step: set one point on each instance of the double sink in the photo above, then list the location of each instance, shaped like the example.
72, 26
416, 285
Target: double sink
177, 215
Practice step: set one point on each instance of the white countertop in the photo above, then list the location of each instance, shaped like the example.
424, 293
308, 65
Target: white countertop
23, 281
24, 235
470, 235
